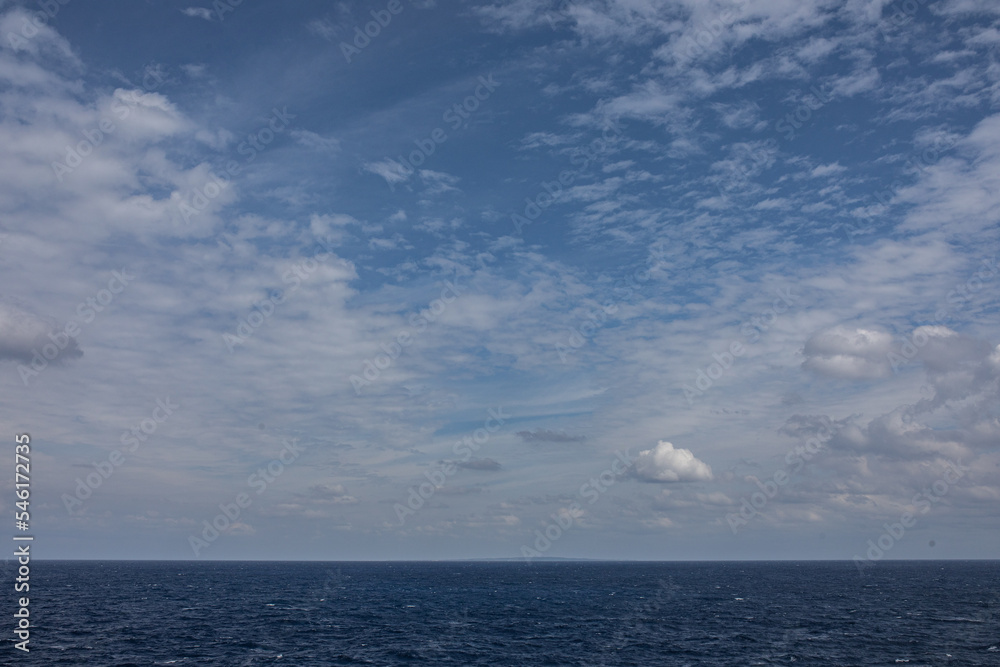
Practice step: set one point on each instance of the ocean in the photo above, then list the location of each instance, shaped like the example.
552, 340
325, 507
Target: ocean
586, 613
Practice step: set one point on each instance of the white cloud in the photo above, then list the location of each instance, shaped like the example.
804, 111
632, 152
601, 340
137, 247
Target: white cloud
316, 141
516, 15
737, 116
438, 182
663, 463
959, 193
828, 169
392, 171
240, 528
198, 13
44, 40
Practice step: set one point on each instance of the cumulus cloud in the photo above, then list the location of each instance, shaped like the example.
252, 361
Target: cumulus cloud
849, 353
957, 417
22, 334
664, 463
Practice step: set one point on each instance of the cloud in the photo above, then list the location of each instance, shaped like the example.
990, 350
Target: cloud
849, 353
330, 493
546, 435
957, 365
23, 334
198, 13
208, 278
392, 171
516, 15
240, 528
960, 187
195, 70
828, 169
738, 116
666, 464
804, 426
954, 416
479, 464
438, 182
315, 141
44, 40
958, 7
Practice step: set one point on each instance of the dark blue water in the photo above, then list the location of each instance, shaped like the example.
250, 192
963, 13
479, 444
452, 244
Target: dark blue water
486, 613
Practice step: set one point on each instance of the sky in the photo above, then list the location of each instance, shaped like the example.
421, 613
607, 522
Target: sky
427, 279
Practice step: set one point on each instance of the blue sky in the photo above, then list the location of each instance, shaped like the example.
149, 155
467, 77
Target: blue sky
607, 278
